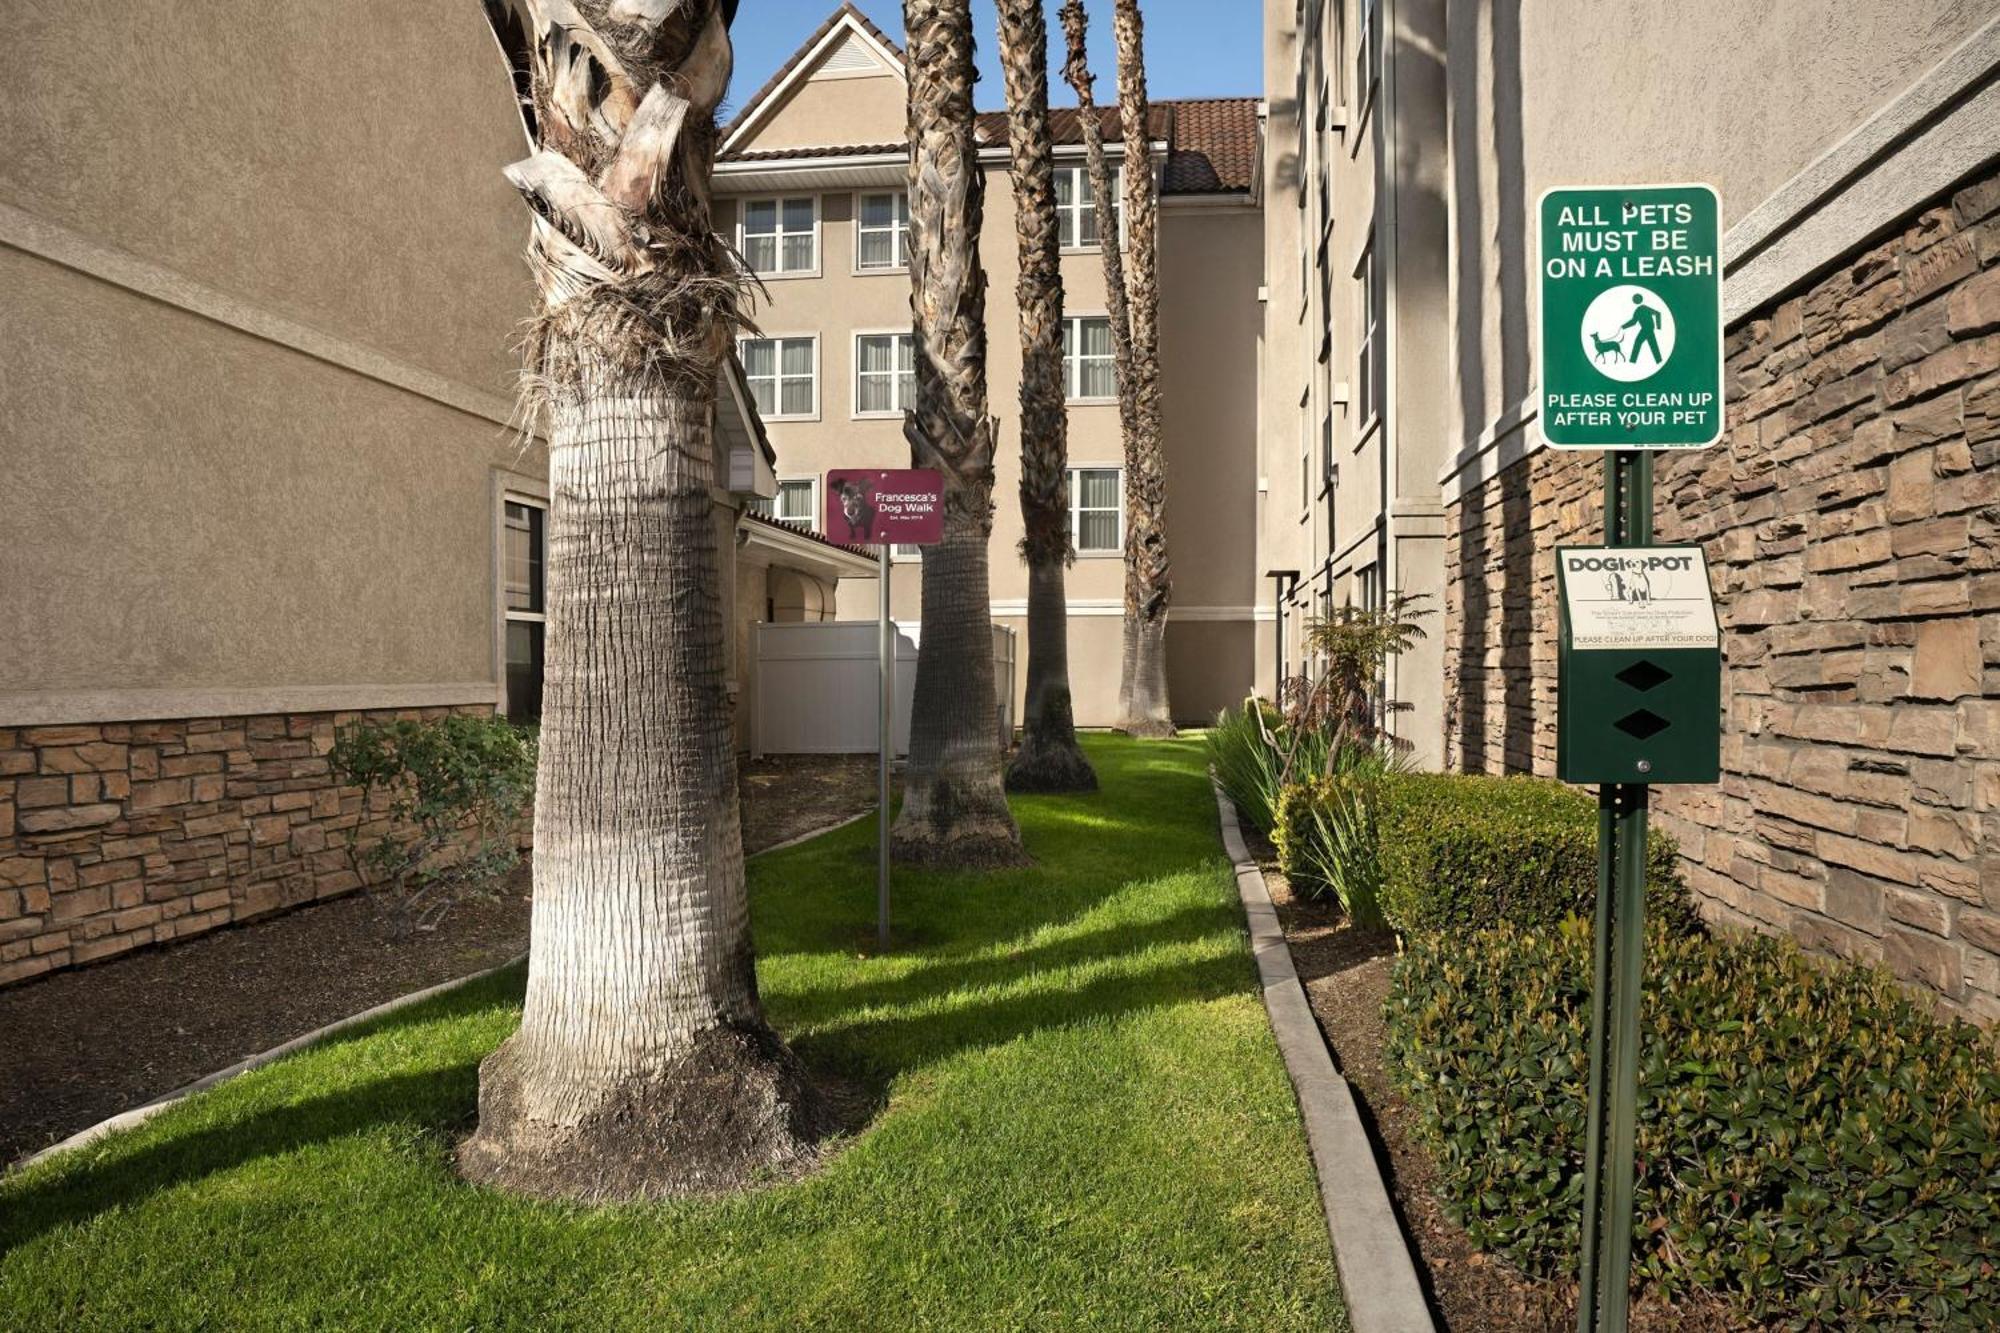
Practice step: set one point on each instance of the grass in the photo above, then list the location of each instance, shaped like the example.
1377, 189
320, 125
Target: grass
1085, 1124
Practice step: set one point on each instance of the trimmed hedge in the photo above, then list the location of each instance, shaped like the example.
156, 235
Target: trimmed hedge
1462, 851
1812, 1143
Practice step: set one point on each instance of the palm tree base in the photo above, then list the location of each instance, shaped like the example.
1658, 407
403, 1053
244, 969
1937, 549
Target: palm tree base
735, 1109
1050, 765
967, 846
1148, 729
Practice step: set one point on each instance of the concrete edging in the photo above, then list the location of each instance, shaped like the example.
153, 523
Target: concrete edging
145, 1111
1378, 1279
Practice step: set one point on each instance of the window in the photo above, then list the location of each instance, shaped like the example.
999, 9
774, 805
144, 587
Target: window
1368, 367
1305, 456
1096, 510
1076, 206
780, 235
795, 502
882, 236
885, 373
1088, 370
524, 552
1367, 52
783, 375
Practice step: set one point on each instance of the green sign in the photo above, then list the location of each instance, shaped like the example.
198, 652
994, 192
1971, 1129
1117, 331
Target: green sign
1631, 340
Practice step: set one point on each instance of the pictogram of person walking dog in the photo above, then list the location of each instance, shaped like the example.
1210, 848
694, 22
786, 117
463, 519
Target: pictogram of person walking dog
1646, 321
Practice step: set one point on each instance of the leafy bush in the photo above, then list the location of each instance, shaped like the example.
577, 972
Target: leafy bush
1328, 836
1245, 761
1812, 1143
457, 789
1463, 851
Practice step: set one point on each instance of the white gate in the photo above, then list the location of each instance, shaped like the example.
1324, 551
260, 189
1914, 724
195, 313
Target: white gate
815, 689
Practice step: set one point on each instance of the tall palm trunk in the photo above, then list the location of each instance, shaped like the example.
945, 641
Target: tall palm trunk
1133, 302
954, 806
643, 1065
1049, 759
1142, 686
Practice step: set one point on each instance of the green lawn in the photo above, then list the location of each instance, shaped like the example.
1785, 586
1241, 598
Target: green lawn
1085, 1123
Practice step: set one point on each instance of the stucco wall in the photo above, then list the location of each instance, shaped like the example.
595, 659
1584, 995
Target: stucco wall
338, 164
1562, 92
192, 508
836, 110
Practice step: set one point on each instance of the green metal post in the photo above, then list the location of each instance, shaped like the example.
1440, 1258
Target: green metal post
1600, 1004
1618, 965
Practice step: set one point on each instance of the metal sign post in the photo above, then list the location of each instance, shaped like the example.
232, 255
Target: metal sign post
1631, 361
885, 739
884, 507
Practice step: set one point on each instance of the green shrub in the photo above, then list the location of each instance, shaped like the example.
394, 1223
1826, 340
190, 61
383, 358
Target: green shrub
1463, 851
457, 788
1812, 1143
1327, 835
1246, 764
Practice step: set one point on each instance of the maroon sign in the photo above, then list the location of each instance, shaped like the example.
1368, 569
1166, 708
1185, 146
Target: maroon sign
870, 506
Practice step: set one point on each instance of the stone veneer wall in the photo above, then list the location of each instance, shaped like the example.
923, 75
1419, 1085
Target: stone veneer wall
118, 835
1852, 522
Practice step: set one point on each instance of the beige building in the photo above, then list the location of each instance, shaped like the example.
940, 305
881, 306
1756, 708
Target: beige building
1354, 321
810, 184
264, 472
1849, 511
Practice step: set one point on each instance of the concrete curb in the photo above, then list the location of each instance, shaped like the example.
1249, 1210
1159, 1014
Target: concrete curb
139, 1115
1377, 1276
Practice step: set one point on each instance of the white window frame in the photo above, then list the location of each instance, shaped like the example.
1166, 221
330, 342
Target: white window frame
510, 495
1082, 168
895, 413
902, 265
779, 394
1369, 381
779, 201
812, 518
1072, 377
1367, 55
1076, 511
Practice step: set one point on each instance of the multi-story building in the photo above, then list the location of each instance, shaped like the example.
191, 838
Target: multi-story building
1848, 513
810, 185
1354, 320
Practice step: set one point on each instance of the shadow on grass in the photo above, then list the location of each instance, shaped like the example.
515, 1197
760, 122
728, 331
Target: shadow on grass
442, 1101
939, 975
434, 1099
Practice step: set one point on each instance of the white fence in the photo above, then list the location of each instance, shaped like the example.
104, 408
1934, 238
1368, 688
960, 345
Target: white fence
815, 689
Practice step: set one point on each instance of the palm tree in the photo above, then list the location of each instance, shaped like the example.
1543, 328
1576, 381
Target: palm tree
643, 1066
1142, 685
1132, 280
1049, 759
954, 804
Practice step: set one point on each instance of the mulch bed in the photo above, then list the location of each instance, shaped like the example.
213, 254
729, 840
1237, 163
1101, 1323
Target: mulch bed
81, 1045
1346, 975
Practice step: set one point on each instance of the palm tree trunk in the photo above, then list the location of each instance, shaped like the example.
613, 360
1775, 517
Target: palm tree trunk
954, 805
643, 1066
1142, 690
1142, 685
1049, 760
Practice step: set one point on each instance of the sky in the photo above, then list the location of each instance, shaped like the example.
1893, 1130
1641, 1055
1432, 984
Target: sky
1189, 52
